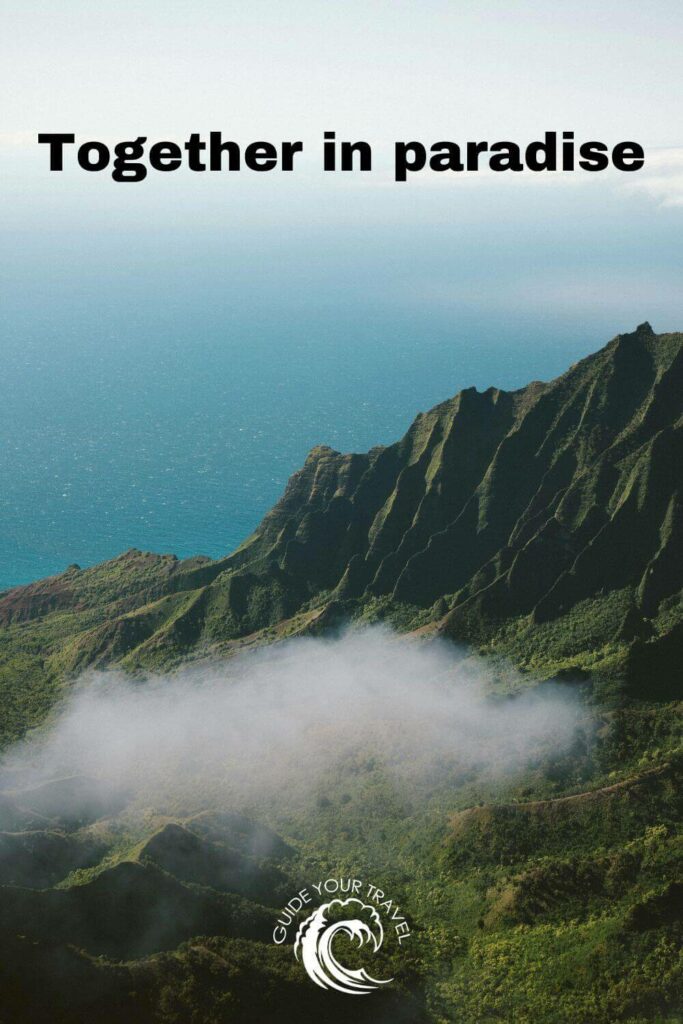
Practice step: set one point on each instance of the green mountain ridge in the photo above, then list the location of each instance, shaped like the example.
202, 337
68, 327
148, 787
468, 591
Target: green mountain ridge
540, 527
555, 509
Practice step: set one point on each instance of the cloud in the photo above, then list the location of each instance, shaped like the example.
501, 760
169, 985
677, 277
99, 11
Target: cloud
278, 723
661, 178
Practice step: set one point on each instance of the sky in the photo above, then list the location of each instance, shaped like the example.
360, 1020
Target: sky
605, 245
372, 67
378, 71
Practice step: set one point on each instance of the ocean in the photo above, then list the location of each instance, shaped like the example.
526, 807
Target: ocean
158, 394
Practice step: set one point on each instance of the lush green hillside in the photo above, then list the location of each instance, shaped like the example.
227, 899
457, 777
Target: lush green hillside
542, 527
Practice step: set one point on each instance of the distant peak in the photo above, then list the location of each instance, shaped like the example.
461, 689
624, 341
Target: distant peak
642, 333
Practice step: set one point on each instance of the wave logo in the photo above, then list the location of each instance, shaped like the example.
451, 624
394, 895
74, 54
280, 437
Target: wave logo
316, 936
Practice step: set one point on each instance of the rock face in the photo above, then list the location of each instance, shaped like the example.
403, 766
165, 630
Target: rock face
559, 503
523, 502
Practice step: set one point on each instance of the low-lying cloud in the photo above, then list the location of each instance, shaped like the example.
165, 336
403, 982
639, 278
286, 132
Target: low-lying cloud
279, 720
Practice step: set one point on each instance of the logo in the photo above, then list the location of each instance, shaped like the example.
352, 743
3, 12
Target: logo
313, 947
356, 911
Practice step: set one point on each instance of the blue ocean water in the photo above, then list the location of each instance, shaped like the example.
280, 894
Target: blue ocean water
166, 437
158, 395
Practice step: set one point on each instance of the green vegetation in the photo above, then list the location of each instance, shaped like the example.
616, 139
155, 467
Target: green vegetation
541, 528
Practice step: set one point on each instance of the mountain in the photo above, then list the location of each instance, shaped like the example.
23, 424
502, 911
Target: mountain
543, 523
541, 527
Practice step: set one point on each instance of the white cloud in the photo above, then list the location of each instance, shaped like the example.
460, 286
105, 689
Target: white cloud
282, 720
661, 178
